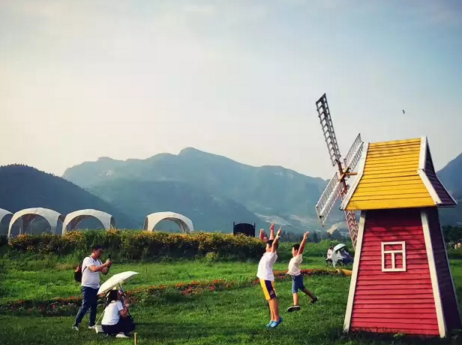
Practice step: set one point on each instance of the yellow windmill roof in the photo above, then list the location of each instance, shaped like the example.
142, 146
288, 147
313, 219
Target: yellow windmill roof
396, 174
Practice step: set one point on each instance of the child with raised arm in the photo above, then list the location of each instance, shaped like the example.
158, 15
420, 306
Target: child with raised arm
263, 236
297, 277
266, 276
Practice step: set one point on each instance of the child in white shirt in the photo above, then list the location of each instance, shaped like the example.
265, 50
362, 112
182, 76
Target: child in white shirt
266, 276
297, 277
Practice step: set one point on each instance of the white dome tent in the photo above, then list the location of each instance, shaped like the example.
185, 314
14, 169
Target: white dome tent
183, 222
29, 214
3, 214
74, 218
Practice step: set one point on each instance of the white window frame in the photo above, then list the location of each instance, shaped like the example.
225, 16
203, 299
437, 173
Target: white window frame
393, 254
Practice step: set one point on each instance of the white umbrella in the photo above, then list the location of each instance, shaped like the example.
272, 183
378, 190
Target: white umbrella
116, 279
339, 246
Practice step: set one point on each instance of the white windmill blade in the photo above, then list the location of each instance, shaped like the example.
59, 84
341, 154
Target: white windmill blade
354, 154
328, 198
328, 129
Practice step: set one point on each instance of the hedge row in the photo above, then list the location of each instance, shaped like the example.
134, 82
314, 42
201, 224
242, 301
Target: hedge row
140, 245
143, 245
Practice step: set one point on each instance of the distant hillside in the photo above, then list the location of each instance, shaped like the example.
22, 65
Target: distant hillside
451, 178
208, 212
24, 187
271, 192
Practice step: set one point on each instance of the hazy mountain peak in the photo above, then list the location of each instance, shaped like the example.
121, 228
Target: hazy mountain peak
188, 150
105, 159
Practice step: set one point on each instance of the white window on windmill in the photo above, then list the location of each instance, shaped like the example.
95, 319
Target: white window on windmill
393, 256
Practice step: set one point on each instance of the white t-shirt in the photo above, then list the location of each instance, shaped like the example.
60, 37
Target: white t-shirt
265, 267
294, 265
89, 278
329, 254
112, 313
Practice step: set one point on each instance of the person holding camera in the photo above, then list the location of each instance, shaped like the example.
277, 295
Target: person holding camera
91, 268
117, 320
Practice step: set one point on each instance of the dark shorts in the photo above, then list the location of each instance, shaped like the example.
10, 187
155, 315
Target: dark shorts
268, 289
297, 283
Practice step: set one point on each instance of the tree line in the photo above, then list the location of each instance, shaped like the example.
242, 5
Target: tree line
452, 234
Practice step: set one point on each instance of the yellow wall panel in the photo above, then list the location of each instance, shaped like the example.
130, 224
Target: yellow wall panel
389, 175
386, 204
387, 187
391, 196
390, 191
403, 180
396, 142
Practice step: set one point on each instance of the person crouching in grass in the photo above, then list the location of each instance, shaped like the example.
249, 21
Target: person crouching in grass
295, 273
117, 320
266, 276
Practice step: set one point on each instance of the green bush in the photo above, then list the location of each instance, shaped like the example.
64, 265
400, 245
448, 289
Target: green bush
3, 241
141, 245
455, 253
148, 246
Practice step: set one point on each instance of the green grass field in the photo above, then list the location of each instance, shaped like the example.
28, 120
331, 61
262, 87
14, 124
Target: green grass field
235, 316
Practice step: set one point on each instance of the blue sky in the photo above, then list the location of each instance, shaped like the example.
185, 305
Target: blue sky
130, 79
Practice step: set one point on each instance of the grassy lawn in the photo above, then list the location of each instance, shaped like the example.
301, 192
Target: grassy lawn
236, 316
30, 281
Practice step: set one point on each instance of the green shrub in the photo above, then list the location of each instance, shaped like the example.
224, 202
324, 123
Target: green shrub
3, 240
455, 253
211, 257
148, 246
141, 245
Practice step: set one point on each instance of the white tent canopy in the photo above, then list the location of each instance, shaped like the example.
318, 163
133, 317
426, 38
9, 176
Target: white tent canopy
183, 222
29, 214
3, 214
73, 219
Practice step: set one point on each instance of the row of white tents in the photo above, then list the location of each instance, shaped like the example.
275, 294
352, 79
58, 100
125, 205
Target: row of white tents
24, 218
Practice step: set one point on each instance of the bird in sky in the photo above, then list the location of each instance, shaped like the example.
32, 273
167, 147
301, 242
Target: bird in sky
404, 112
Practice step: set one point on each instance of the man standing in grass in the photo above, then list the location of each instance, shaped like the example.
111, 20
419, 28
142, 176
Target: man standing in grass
91, 267
295, 273
266, 276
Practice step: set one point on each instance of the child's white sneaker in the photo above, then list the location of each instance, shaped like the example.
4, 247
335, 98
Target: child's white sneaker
121, 335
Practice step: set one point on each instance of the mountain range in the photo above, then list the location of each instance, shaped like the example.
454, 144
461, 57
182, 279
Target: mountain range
212, 190
270, 193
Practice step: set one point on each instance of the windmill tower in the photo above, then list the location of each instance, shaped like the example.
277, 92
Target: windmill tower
337, 186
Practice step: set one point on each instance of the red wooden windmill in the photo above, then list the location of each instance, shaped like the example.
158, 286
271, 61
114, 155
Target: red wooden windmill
337, 186
401, 280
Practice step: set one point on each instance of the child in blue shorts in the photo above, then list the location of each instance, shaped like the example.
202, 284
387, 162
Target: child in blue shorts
297, 277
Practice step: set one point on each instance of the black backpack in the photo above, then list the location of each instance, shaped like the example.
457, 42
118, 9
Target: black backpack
78, 273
